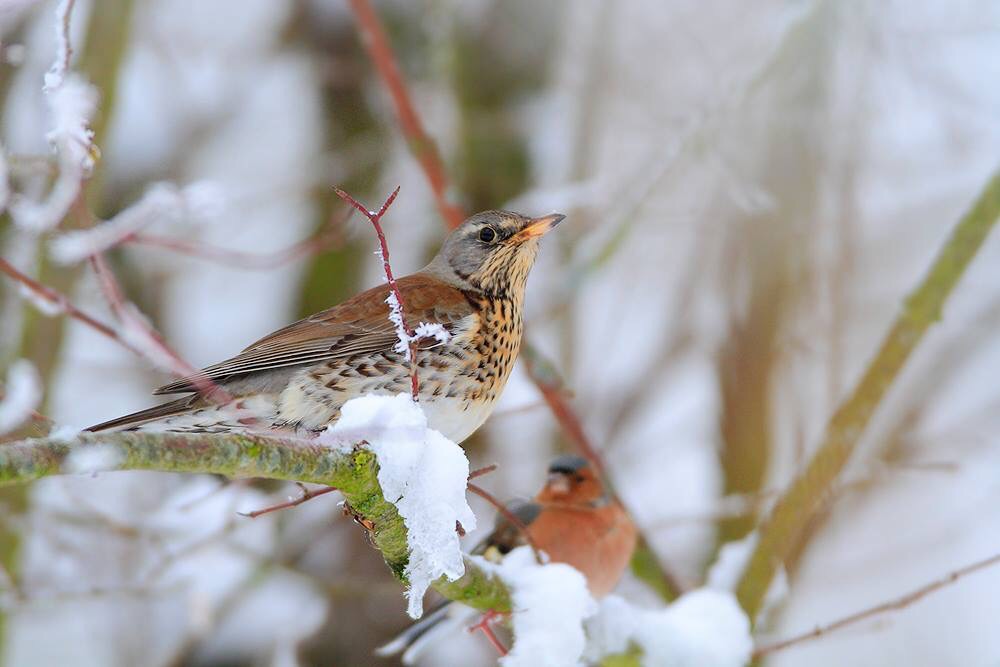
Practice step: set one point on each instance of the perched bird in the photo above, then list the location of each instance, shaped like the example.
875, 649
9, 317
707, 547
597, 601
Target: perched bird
299, 377
573, 520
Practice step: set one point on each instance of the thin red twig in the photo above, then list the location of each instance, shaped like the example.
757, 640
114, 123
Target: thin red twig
485, 470
509, 516
891, 605
484, 625
374, 39
128, 317
375, 217
306, 496
330, 236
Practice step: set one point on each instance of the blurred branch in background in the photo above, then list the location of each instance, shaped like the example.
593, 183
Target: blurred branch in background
782, 530
892, 605
424, 148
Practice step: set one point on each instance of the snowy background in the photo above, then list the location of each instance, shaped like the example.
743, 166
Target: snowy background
752, 188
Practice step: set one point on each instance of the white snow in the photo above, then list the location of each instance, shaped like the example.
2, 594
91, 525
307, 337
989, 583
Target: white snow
422, 473
422, 330
731, 561
22, 394
71, 106
550, 603
41, 304
702, 628
57, 73
432, 330
92, 459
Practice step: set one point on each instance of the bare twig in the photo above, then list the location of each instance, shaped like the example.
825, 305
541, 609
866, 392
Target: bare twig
484, 624
306, 496
892, 605
485, 470
421, 145
508, 516
376, 219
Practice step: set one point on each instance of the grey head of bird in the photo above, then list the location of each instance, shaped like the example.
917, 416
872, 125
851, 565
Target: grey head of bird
492, 252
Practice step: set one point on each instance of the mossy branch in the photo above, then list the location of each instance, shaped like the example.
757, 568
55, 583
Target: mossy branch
784, 527
355, 474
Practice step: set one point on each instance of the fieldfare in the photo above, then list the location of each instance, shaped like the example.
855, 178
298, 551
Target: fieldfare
299, 377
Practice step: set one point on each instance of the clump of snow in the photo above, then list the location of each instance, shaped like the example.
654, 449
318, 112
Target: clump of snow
725, 572
64, 432
22, 394
422, 473
422, 330
432, 330
550, 603
702, 628
92, 459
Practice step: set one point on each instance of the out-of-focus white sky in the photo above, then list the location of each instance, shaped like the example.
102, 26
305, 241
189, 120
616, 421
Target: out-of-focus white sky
798, 162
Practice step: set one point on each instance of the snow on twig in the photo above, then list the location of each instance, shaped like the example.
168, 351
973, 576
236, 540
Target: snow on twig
71, 101
423, 474
64, 51
407, 336
162, 202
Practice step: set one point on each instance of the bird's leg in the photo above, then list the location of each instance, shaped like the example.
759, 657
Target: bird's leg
484, 624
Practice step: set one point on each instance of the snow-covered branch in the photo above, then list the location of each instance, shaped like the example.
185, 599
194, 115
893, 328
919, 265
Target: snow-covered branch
354, 468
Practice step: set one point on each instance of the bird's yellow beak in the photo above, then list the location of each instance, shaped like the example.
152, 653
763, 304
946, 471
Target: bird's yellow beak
538, 227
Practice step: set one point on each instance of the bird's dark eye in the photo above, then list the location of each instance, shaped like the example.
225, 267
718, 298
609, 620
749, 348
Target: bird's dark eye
487, 235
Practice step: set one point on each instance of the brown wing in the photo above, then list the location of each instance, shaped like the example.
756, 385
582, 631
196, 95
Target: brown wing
359, 325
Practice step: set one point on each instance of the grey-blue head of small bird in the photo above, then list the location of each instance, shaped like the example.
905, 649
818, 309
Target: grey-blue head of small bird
493, 251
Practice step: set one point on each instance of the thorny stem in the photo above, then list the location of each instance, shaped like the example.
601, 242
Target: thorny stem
376, 219
424, 149
782, 530
892, 605
306, 496
509, 516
